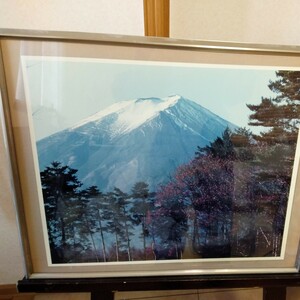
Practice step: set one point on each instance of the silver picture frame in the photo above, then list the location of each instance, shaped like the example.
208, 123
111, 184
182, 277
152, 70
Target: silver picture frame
254, 196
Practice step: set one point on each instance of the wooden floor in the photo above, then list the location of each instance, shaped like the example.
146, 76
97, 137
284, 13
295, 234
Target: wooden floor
9, 292
229, 294
84, 296
65, 296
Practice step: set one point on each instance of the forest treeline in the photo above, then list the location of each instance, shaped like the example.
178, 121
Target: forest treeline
230, 200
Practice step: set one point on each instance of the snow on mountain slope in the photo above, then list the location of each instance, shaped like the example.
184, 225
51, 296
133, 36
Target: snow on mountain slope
132, 113
136, 140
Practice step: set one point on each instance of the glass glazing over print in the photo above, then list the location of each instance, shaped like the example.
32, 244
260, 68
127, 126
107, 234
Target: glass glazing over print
158, 161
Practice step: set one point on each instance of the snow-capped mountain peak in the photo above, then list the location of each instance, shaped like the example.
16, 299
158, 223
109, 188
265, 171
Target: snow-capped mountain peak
130, 114
141, 111
144, 139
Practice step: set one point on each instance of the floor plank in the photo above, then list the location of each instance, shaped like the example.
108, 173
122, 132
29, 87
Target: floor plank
8, 289
229, 294
65, 296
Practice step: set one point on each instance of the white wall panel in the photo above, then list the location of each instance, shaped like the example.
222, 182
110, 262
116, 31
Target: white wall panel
106, 16
253, 21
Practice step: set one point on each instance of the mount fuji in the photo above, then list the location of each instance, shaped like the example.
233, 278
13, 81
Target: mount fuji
144, 139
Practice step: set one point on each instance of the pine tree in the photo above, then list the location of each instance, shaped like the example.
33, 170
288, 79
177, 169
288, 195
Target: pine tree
142, 201
122, 200
274, 150
97, 204
60, 187
87, 217
221, 147
118, 222
280, 115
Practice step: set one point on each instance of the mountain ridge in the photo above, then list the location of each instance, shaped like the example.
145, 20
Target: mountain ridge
144, 139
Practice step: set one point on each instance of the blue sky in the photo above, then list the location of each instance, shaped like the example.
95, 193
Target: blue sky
75, 89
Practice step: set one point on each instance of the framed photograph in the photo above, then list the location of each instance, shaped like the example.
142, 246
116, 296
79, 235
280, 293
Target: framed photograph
136, 156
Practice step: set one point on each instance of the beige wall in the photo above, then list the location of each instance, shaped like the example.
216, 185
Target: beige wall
105, 16
254, 21
11, 263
